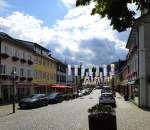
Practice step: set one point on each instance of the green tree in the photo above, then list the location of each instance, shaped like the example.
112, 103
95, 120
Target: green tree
116, 11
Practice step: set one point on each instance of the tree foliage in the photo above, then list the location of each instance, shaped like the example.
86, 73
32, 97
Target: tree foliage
117, 11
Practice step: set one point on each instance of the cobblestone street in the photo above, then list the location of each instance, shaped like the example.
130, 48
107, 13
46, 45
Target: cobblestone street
72, 115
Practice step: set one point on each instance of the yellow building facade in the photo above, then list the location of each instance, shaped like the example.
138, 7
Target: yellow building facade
44, 69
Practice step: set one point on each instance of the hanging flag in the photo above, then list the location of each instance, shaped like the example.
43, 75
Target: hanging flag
105, 70
87, 74
97, 70
101, 75
82, 71
76, 70
69, 70
112, 69
90, 71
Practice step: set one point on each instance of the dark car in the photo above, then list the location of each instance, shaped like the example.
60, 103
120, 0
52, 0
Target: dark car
55, 97
106, 89
107, 99
33, 101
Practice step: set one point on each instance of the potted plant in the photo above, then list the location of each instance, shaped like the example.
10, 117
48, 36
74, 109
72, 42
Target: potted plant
126, 97
102, 117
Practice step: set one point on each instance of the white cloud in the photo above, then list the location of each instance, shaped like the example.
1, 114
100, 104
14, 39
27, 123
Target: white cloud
66, 36
133, 7
3, 5
25, 27
69, 3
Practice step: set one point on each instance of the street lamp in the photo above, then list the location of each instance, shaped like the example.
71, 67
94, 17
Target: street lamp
13, 76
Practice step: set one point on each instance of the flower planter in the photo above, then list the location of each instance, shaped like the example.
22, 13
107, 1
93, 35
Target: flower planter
102, 118
102, 122
30, 79
30, 62
14, 58
126, 98
4, 55
22, 60
22, 78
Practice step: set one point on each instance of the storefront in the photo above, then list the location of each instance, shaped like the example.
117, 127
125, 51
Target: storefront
6, 93
39, 89
124, 87
134, 91
60, 88
23, 90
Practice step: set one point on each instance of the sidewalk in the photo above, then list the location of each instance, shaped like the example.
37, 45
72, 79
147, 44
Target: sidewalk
6, 109
130, 116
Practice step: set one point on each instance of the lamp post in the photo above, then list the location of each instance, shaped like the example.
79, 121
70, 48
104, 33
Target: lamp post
13, 76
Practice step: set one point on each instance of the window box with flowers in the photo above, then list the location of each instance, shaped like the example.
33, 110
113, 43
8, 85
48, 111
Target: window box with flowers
30, 78
30, 62
22, 78
15, 58
4, 55
22, 60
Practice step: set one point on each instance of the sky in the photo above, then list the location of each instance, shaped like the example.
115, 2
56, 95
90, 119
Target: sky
70, 32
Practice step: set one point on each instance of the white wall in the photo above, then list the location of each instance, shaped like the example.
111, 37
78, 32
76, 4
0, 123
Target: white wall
142, 74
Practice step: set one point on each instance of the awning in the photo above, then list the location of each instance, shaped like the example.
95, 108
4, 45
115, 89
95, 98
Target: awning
131, 82
59, 86
124, 83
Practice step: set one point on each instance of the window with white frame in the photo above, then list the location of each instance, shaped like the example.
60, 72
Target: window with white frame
29, 73
23, 54
14, 69
2, 69
6, 49
21, 72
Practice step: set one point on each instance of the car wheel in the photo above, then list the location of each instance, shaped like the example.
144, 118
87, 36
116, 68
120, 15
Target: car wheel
45, 103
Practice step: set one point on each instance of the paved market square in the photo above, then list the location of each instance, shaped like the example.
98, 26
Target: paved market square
72, 115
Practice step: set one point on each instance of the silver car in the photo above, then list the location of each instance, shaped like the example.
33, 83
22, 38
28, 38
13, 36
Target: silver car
107, 99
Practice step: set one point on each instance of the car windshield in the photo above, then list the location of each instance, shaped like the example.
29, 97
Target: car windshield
52, 95
35, 96
107, 95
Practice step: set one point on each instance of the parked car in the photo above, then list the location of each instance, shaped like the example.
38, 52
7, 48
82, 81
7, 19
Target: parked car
106, 89
55, 97
98, 87
80, 93
33, 101
107, 99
